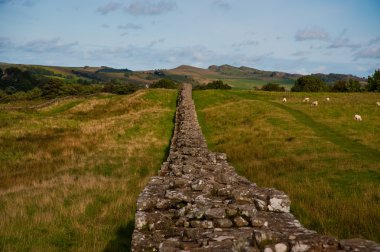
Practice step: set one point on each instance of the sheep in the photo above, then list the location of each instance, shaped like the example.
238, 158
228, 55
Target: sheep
358, 117
314, 103
284, 100
306, 99
378, 104
328, 99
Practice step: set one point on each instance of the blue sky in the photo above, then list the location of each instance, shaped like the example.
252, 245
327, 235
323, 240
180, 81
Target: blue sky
297, 36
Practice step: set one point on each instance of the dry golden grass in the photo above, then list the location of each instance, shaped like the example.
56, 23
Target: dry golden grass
70, 173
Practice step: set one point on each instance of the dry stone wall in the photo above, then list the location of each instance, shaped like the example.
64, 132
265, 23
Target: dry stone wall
199, 203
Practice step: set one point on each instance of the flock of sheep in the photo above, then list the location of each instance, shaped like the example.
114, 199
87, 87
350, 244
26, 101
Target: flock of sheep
315, 103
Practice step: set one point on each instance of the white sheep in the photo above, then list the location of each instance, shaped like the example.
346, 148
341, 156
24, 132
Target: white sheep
306, 99
328, 99
378, 104
315, 103
284, 99
358, 117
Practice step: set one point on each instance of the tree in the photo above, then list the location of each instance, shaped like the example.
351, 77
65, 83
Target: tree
309, 83
52, 88
17, 79
340, 86
353, 85
218, 84
272, 87
165, 83
374, 82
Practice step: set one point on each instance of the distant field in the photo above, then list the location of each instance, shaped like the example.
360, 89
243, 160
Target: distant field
70, 173
245, 83
325, 161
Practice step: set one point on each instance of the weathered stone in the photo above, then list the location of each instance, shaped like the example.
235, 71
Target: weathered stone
247, 210
257, 222
279, 203
231, 212
215, 213
300, 247
240, 221
199, 185
280, 247
163, 203
223, 223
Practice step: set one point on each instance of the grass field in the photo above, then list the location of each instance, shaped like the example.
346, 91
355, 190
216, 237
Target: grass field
70, 173
244, 83
328, 163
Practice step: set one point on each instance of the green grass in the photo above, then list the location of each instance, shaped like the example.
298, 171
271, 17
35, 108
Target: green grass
244, 83
325, 161
70, 173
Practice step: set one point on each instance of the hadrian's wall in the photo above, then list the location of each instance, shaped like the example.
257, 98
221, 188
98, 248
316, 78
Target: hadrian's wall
199, 203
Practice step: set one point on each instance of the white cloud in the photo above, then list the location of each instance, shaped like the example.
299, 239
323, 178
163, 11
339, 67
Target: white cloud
129, 26
109, 7
245, 43
221, 5
342, 41
300, 53
150, 7
48, 45
372, 52
312, 33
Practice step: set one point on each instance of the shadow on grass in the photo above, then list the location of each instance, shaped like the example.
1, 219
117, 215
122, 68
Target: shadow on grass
123, 239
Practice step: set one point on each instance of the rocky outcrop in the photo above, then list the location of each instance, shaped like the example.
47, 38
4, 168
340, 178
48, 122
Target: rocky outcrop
199, 203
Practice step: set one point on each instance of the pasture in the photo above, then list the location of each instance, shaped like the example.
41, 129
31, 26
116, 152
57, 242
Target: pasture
70, 172
328, 163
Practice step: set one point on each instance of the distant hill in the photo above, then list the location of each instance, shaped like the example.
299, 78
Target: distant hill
242, 77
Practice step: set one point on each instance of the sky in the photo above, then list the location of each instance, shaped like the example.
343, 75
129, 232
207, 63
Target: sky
295, 36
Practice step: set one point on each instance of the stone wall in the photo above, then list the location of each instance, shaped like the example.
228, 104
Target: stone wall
199, 203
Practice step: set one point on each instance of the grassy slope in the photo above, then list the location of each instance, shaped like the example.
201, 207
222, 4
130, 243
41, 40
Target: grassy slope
233, 76
328, 163
70, 173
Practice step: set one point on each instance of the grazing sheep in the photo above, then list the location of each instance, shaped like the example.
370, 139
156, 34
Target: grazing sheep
315, 103
284, 99
327, 98
378, 104
306, 99
358, 118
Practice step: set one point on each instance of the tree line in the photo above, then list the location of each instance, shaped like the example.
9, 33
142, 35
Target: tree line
33, 83
312, 83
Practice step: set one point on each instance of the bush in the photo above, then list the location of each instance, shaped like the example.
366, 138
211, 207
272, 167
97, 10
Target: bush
346, 86
165, 83
340, 86
120, 88
272, 87
218, 84
309, 83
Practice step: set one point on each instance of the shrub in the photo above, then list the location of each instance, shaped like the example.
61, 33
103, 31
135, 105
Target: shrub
340, 86
165, 83
309, 83
272, 87
218, 84
119, 88
346, 86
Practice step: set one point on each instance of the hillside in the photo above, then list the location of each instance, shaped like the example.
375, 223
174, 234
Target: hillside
247, 78
71, 171
242, 77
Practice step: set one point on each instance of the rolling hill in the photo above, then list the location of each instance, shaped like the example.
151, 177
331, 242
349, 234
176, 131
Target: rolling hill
242, 77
